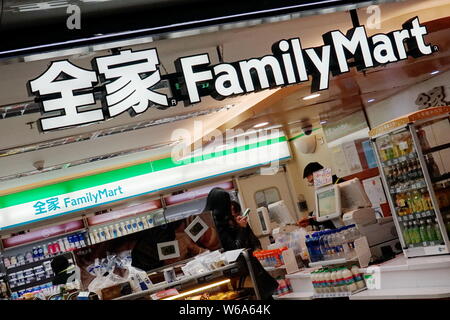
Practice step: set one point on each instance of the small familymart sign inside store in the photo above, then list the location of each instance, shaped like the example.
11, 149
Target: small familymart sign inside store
79, 194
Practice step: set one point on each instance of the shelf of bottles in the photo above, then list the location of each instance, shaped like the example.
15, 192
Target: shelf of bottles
409, 183
125, 226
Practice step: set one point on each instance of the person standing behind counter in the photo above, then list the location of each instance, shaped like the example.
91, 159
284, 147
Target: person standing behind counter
308, 174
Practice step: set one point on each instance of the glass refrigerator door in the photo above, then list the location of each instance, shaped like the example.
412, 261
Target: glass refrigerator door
433, 143
410, 200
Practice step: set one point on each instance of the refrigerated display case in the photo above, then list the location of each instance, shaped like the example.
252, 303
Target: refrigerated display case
413, 154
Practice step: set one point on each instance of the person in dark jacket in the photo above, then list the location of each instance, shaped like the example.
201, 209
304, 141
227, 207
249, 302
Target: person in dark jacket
252, 242
60, 266
234, 233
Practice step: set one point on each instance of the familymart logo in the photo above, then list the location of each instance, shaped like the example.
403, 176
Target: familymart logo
130, 81
54, 204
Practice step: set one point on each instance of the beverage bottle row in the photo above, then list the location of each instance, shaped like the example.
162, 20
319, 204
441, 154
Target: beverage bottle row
411, 202
392, 147
332, 244
418, 232
120, 229
41, 252
404, 174
340, 279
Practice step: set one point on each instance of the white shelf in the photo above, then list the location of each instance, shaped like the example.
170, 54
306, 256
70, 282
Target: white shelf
331, 262
403, 293
295, 296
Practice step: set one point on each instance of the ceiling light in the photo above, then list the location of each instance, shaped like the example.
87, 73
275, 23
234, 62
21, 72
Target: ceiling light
323, 121
259, 125
371, 100
434, 72
315, 95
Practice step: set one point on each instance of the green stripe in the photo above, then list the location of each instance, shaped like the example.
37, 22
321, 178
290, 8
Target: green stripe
116, 175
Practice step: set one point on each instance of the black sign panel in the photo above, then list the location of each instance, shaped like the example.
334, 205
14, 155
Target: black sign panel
28, 26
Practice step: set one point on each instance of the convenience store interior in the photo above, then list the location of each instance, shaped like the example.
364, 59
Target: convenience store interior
31, 159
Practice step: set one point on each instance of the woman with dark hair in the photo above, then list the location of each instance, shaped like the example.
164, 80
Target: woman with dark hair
234, 232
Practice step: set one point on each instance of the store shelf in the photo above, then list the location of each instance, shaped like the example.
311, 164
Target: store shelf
403, 293
295, 296
164, 285
331, 262
415, 186
32, 284
401, 159
336, 294
33, 264
417, 215
437, 148
49, 239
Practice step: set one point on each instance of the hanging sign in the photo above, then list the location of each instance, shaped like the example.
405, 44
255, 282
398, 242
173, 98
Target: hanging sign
129, 80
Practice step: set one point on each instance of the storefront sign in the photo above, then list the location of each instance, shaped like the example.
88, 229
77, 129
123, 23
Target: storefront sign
90, 191
432, 98
131, 76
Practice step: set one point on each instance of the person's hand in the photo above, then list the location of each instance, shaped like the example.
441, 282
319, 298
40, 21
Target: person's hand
242, 221
303, 222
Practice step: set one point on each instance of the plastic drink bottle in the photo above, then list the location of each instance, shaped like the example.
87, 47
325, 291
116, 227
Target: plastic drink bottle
92, 238
423, 232
112, 232
357, 275
431, 231
134, 225
123, 228
129, 226
40, 252
107, 234
438, 231
140, 224
118, 230
150, 221
34, 254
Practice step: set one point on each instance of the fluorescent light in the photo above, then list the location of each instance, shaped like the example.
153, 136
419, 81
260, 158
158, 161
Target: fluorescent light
371, 100
259, 125
315, 95
434, 72
323, 121
201, 289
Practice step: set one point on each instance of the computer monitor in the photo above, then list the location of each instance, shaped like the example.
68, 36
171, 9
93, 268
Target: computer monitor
328, 203
280, 213
353, 195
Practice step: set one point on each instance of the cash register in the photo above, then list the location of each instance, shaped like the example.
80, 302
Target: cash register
347, 203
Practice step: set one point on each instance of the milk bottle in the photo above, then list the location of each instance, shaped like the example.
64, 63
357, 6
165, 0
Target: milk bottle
333, 280
340, 281
327, 280
314, 281
349, 281
357, 275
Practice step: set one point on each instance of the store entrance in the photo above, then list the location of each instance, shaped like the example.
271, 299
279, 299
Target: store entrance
258, 190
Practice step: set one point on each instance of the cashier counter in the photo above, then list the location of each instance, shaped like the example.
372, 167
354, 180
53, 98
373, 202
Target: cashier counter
381, 233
